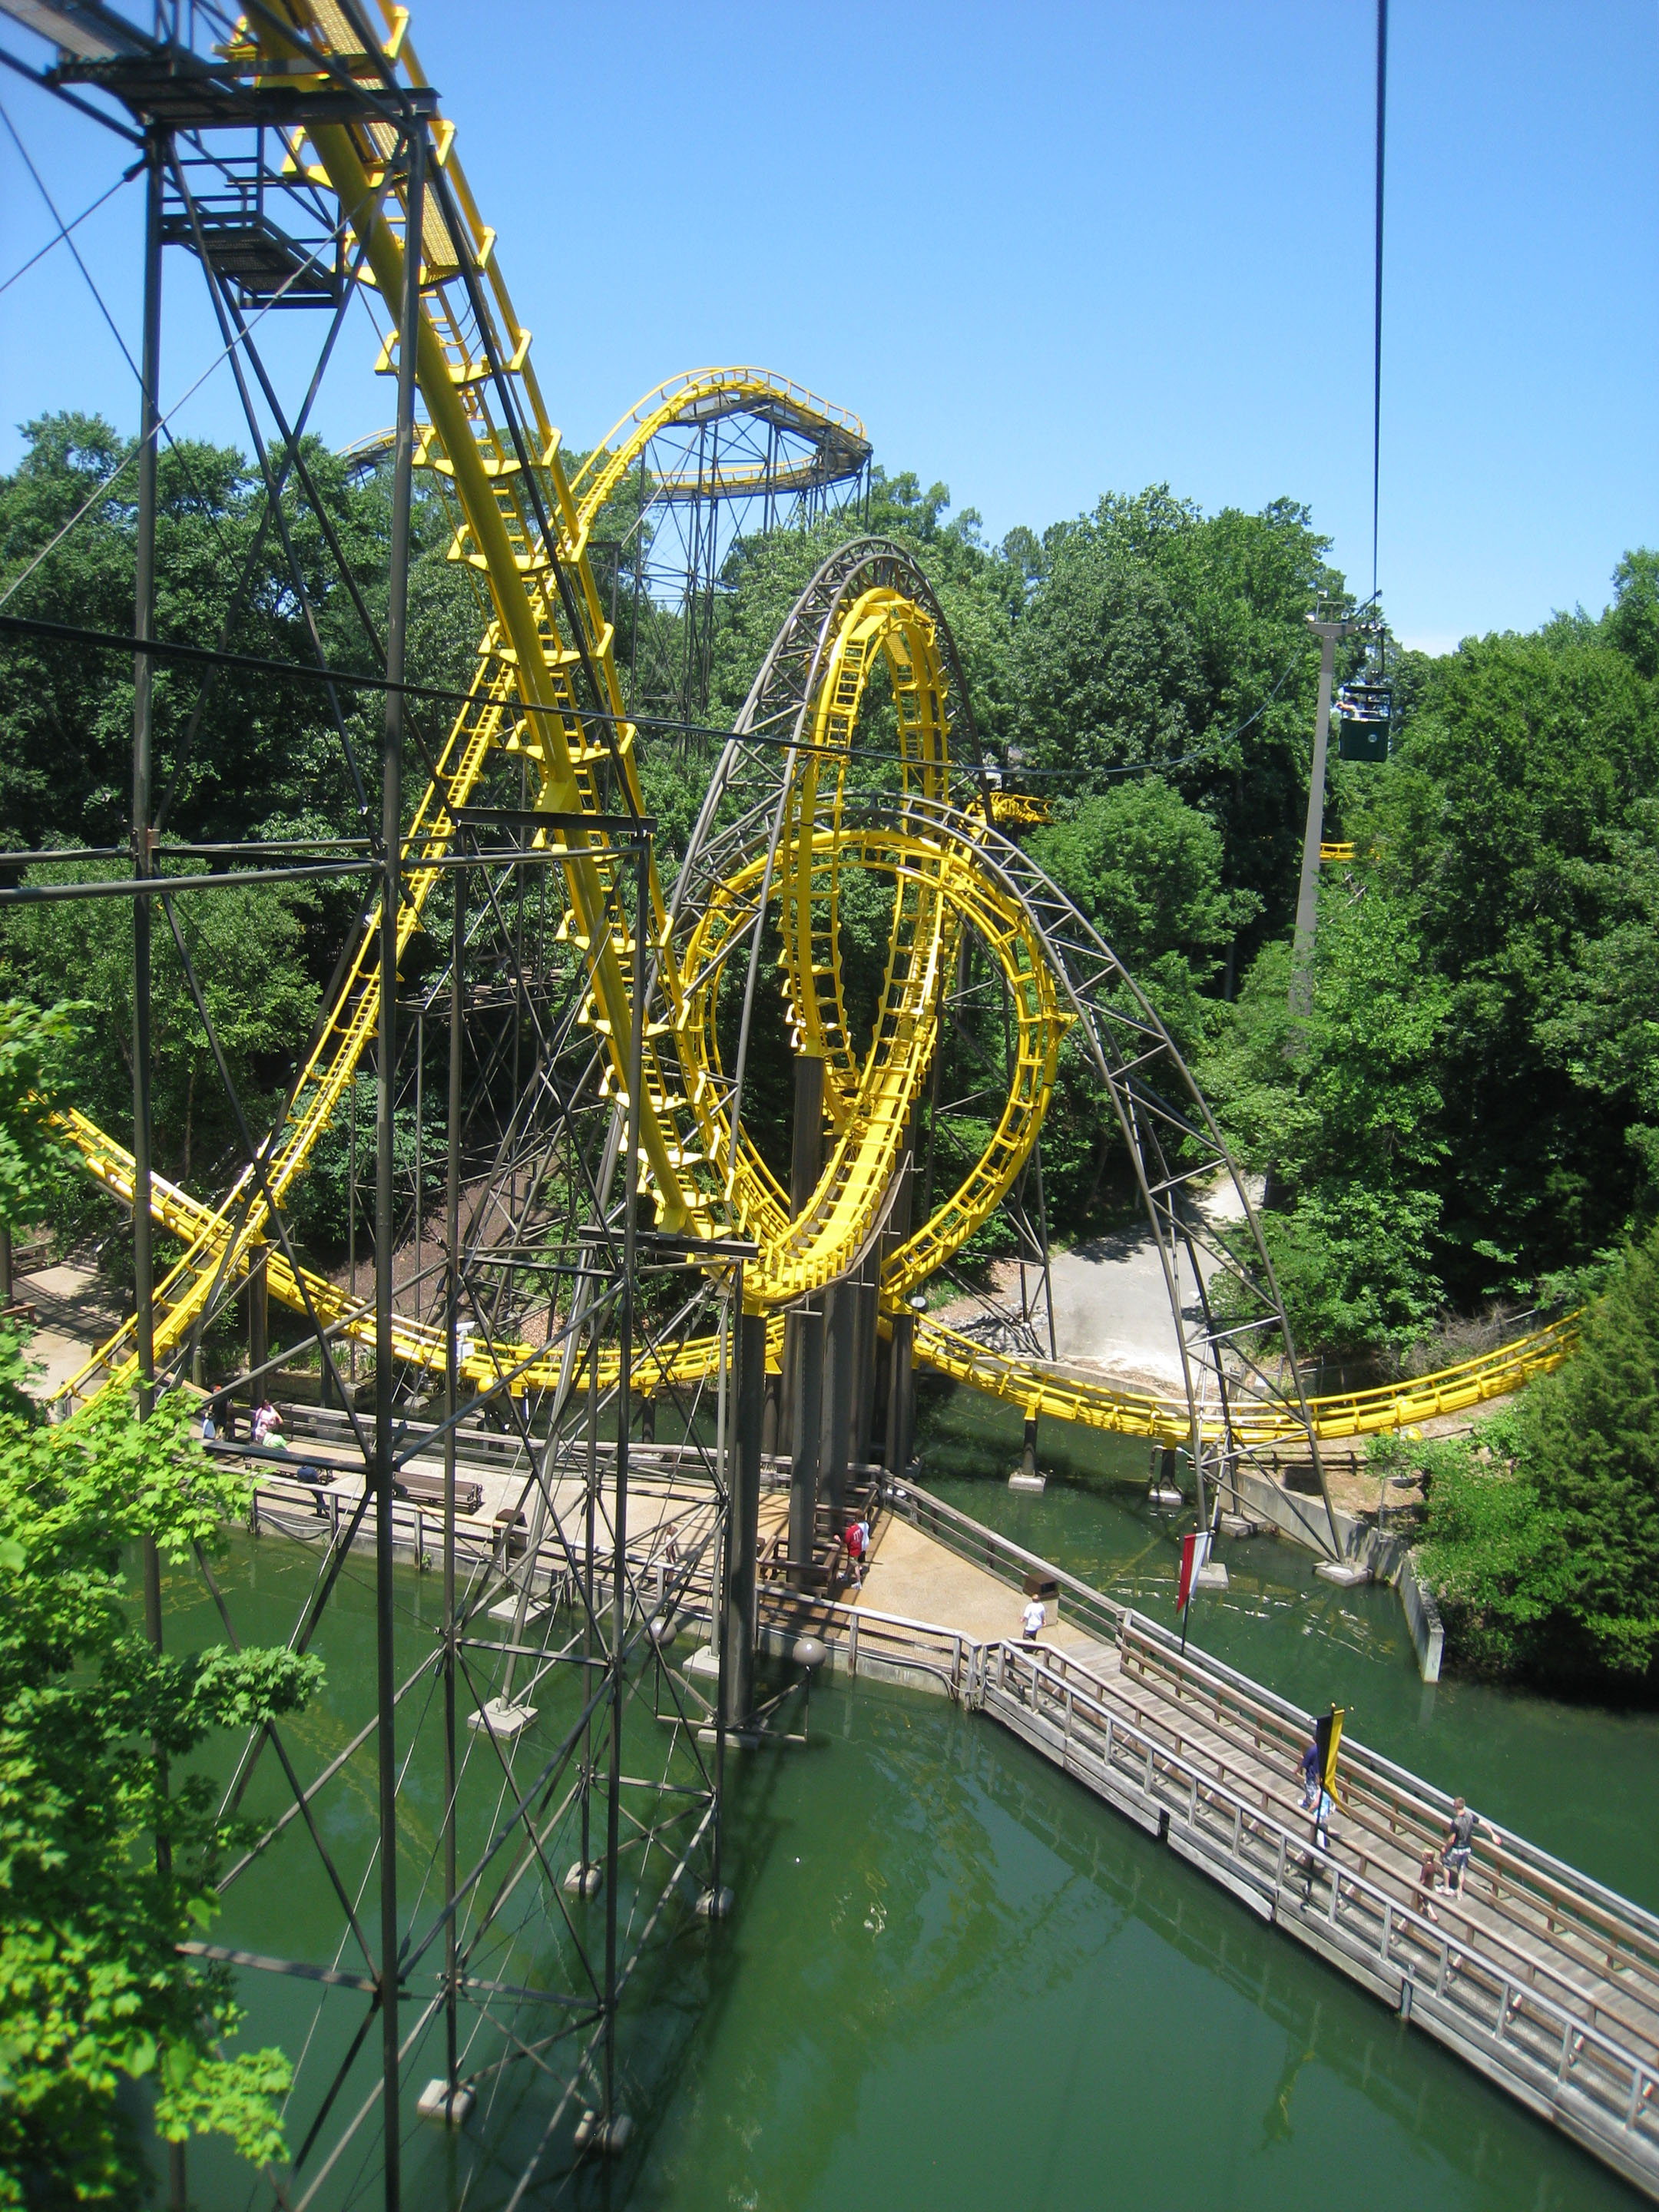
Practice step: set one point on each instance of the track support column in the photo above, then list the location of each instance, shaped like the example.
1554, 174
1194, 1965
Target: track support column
803, 1347
738, 1612
809, 1330
806, 1164
258, 1319
840, 1332
391, 754
158, 147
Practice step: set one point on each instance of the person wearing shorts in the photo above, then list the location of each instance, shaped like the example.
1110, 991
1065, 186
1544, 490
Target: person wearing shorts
1460, 1838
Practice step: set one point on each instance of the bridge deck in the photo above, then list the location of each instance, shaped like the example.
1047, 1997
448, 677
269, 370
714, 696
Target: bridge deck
1546, 1982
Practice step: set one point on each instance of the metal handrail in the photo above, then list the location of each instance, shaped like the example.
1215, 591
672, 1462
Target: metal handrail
999, 1555
1577, 2032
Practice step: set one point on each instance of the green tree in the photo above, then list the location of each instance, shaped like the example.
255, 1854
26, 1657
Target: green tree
1147, 632
93, 1990
1589, 1440
1632, 622
251, 952
1514, 827
34, 1045
1347, 1128
1146, 870
1543, 1528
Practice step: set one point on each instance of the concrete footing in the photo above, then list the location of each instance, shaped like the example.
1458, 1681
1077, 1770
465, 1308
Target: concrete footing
1239, 1524
1346, 1574
437, 2101
1159, 1495
1211, 1576
581, 1881
715, 1905
500, 1718
508, 1611
610, 2138
1035, 1483
705, 1661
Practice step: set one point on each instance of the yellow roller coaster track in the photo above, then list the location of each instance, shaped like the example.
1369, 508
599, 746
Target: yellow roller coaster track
783, 842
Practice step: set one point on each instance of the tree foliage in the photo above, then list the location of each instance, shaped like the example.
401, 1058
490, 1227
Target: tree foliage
1343, 1116
36, 1047
93, 1992
1147, 870
1543, 1527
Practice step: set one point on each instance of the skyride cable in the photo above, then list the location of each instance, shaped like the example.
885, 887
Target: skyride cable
1376, 367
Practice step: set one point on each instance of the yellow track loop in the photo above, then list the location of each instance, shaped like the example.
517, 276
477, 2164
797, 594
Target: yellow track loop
795, 1256
882, 621
704, 393
547, 633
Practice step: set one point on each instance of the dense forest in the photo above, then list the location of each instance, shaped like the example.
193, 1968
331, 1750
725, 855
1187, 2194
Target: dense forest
1476, 1119
1470, 1130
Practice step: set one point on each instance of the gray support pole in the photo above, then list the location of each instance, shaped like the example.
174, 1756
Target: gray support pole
731, 1302
809, 1439
806, 1134
258, 1320
451, 1407
391, 750
641, 921
840, 1335
1307, 898
896, 1456
157, 148
865, 1340
737, 1624
805, 1163
771, 1413
143, 867
898, 1397
351, 1229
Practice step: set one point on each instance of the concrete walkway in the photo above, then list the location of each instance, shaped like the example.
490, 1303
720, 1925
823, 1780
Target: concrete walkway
77, 1314
911, 1575
1112, 1303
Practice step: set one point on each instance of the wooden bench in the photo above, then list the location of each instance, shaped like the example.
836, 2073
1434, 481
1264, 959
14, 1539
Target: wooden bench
428, 1490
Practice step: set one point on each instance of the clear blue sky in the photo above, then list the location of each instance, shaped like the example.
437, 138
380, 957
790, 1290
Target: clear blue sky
1044, 252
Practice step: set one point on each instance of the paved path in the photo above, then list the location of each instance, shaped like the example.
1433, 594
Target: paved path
78, 1313
910, 1574
1112, 1303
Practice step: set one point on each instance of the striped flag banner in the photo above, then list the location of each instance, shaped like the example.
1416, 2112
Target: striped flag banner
1195, 1551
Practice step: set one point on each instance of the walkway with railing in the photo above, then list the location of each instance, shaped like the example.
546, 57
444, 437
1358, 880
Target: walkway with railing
1546, 1982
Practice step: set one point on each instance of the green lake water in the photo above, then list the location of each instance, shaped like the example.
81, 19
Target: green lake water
1580, 1780
952, 1979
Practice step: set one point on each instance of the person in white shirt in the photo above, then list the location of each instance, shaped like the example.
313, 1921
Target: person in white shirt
1034, 1619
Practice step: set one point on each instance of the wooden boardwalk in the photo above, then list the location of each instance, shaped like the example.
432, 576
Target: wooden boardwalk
1541, 1979
1545, 1982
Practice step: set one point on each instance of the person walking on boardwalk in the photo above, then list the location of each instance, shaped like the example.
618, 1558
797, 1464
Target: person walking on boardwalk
1460, 1838
854, 1541
1428, 1880
1309, 1771
1034, 1619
